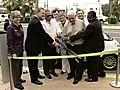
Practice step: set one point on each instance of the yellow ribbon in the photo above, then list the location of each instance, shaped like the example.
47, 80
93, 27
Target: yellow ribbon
67, 56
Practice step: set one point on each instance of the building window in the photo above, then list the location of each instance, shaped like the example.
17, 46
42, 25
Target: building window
96, 8
91, 8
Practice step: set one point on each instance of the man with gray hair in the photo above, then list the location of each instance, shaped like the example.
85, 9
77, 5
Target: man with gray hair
15, 38
71, 29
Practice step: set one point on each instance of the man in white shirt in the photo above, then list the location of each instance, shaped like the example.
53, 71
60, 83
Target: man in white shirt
65, 64
49, 26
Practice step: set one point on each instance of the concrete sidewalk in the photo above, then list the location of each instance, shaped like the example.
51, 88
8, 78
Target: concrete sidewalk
111, 27
61, 83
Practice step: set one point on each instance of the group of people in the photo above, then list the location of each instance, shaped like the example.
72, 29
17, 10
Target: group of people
79, 36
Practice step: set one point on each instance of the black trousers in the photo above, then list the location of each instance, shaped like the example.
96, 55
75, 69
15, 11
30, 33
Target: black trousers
49, 64
17, 69
92, 67
33, 67
100, 66
75, 67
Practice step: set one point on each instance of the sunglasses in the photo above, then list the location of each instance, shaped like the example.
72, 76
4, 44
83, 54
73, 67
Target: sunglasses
49, 15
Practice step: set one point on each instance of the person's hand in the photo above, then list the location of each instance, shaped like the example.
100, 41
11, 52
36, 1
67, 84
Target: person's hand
55, 44
51, 45
14, 55
66, 38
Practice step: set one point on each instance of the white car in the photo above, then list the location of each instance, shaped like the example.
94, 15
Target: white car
102, 18
110, 61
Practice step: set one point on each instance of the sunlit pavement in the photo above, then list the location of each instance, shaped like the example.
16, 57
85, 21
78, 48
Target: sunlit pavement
61, 83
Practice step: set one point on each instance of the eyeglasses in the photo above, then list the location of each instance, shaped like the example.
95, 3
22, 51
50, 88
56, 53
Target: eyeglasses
49, 15
71, 18
17, 17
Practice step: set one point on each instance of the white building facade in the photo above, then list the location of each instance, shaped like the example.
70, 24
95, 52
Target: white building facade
73, 4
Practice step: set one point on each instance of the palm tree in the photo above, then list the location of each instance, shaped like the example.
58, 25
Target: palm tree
22, 5
116, 8
110, 7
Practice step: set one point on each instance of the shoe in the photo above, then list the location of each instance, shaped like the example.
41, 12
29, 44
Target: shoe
22, 81
90, 80
76, 81
62, 72
37, 82
41, 76
54, 74
19, 86
48, 76
25, 72
69, 77
102, 74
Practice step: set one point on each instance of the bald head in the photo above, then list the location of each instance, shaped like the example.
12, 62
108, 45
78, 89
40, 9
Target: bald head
71, 17
71, 13
48, 15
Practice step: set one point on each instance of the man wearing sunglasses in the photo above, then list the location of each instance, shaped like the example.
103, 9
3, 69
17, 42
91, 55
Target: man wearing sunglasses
49, 26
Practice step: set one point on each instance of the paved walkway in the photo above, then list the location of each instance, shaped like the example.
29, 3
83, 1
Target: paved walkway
111, 27
60, 83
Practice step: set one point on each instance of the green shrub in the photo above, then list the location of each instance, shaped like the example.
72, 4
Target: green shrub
112, 20
25, 19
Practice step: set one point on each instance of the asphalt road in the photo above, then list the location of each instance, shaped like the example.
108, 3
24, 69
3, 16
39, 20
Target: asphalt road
114, 34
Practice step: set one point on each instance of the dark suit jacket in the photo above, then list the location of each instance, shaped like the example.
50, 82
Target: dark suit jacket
35, 36
15, 38
93, 38
6, 24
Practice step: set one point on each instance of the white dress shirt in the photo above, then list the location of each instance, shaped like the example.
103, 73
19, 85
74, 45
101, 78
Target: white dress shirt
52, 28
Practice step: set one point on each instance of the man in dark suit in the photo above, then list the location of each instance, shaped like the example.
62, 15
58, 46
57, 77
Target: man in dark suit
93, 42
35, 36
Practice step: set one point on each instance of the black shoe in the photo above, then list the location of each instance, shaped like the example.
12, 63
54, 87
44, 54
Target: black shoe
90, 80
102, 74
41, 77
37, 82
25, 72
22, 81
48, 76
62, 72
69, 77
19, 86
76, 81
54, 74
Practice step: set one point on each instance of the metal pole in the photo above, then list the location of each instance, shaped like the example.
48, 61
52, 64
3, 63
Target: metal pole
116, 83
9, 6
11, 79
37, 3
110, 5
47, 4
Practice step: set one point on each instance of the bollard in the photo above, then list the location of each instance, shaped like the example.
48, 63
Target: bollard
116, 83
10, 74
3, 58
